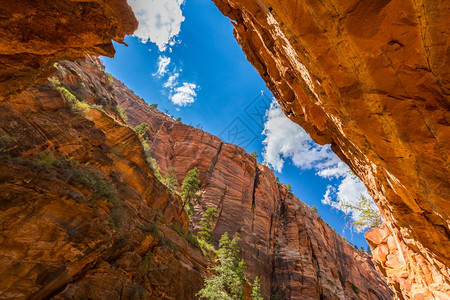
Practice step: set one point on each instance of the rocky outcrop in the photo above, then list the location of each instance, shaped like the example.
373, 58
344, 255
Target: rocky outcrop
371, 78
35, 34
81, 214
283, 241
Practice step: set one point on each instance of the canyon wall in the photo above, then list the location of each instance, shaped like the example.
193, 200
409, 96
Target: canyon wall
283, 241
83, 216
36, 34
371, 78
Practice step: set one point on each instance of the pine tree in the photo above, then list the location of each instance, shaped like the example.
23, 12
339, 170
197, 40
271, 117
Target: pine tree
189, 188
170, 179
228, 279
256, 290
205, 231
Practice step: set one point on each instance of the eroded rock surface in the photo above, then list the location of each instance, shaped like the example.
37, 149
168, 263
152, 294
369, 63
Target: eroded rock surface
372, 79
283, 241
81, 214
35, 34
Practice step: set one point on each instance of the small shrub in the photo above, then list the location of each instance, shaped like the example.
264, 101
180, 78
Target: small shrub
254, 154
154, 106
121, 111
142, 129
6, 141
153, 229
315, 208
110, 78
146, 262
289, 188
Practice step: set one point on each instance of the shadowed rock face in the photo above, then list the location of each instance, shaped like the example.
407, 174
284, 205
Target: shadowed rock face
35, 34
372, 79
81, 214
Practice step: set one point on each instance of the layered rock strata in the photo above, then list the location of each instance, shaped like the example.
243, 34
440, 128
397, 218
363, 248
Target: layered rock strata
371, 78
82, 215
283, 241
35, 34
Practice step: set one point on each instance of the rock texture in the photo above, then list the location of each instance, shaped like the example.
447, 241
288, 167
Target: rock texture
35, 34
81, 214
372, 79
283, 241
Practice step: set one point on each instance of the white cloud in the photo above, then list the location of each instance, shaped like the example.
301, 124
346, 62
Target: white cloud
347, 195
286, 140
163, 63
172, 81
159, 21
184, 95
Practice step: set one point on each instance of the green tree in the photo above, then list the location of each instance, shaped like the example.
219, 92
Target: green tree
254, 154
289, 188
205, 231
178, 120
315, 208
142, 129
170, 179
189, 188
228, 280
367, 215
155, 106
256, 290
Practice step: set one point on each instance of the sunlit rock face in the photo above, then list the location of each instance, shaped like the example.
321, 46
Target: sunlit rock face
372, 79
60, 239
283, 241
35, 34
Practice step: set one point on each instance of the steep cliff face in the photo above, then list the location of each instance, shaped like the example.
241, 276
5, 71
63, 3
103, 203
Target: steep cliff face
35, 34
81, 214
283, 241
372, 79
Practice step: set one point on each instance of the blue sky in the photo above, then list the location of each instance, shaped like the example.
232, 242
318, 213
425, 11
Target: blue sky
208, 67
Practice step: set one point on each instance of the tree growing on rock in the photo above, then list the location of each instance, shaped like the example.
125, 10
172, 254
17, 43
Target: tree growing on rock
366, 216
189, 189
228, 279
256, 290
208, 218
170, 179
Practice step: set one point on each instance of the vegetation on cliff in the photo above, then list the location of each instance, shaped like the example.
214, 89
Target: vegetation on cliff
189, 190
229, 279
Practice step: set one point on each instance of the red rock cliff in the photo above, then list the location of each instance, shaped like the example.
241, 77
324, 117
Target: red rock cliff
35, 34
284, 241
81, 214
372, 79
